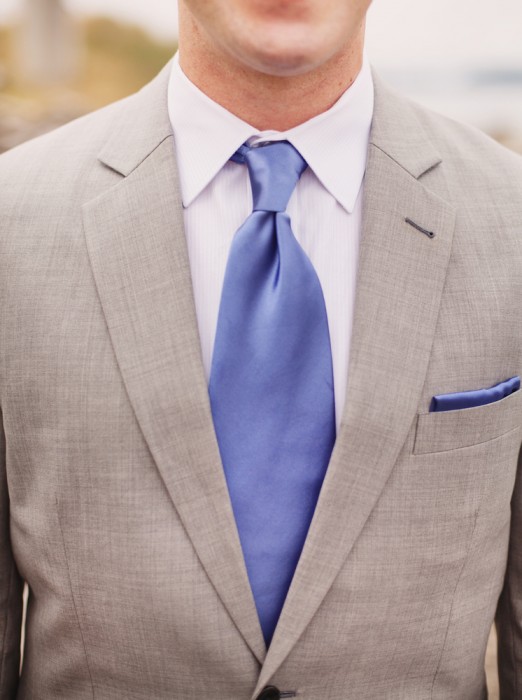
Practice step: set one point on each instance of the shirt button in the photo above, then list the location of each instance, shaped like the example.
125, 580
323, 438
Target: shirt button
269, 693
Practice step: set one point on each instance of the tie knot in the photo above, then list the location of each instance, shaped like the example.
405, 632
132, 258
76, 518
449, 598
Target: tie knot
274, 169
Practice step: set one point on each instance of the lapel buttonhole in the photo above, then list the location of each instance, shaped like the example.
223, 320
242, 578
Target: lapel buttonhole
430, 234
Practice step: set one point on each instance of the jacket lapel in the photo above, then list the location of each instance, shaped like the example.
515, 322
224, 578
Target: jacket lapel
137, 249
400, 279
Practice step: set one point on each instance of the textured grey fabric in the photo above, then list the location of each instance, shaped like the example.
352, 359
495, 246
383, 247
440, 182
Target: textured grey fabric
114, 503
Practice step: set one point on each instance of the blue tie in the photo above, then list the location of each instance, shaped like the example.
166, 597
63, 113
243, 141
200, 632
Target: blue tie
271, 382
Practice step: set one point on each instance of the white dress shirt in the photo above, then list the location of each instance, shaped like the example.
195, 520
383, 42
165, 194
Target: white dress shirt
325, 207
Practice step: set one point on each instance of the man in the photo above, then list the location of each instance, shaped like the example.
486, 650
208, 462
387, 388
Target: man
206, 499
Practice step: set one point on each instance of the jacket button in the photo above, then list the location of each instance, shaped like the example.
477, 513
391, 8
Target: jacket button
269, 693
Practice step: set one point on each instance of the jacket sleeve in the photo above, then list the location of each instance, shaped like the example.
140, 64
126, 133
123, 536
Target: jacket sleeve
509, 612
11, 588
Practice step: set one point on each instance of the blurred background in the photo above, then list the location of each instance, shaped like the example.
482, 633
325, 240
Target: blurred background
62, 58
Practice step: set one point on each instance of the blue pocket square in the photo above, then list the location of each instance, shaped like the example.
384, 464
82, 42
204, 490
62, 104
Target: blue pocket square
472, 399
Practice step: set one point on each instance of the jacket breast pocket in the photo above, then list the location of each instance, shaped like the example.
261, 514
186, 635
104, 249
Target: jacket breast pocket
450, 430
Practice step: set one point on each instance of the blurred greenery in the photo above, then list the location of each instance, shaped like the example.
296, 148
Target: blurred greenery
5, 36
115, 60
119, 59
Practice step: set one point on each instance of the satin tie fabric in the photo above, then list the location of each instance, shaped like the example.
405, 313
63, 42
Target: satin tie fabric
271, 383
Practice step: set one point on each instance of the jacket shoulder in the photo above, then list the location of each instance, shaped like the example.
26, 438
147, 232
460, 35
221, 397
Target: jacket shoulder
63, 152
75, 163
468, 148
469, 158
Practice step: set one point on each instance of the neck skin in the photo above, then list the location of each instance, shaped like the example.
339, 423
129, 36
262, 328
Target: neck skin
266, 102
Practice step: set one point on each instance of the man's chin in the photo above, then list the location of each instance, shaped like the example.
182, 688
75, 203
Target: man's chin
281, 63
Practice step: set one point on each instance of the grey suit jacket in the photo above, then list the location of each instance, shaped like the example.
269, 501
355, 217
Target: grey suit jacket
114, 507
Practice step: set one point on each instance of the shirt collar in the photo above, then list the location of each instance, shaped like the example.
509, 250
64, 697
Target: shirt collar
334, 143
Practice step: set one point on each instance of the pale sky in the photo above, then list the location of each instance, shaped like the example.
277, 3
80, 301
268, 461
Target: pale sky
400, 32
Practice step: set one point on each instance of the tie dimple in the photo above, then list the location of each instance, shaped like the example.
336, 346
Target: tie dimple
274, 171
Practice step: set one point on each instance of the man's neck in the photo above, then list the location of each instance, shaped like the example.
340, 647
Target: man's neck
265, 101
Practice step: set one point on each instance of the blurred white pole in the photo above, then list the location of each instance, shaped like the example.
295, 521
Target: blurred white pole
49, 44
